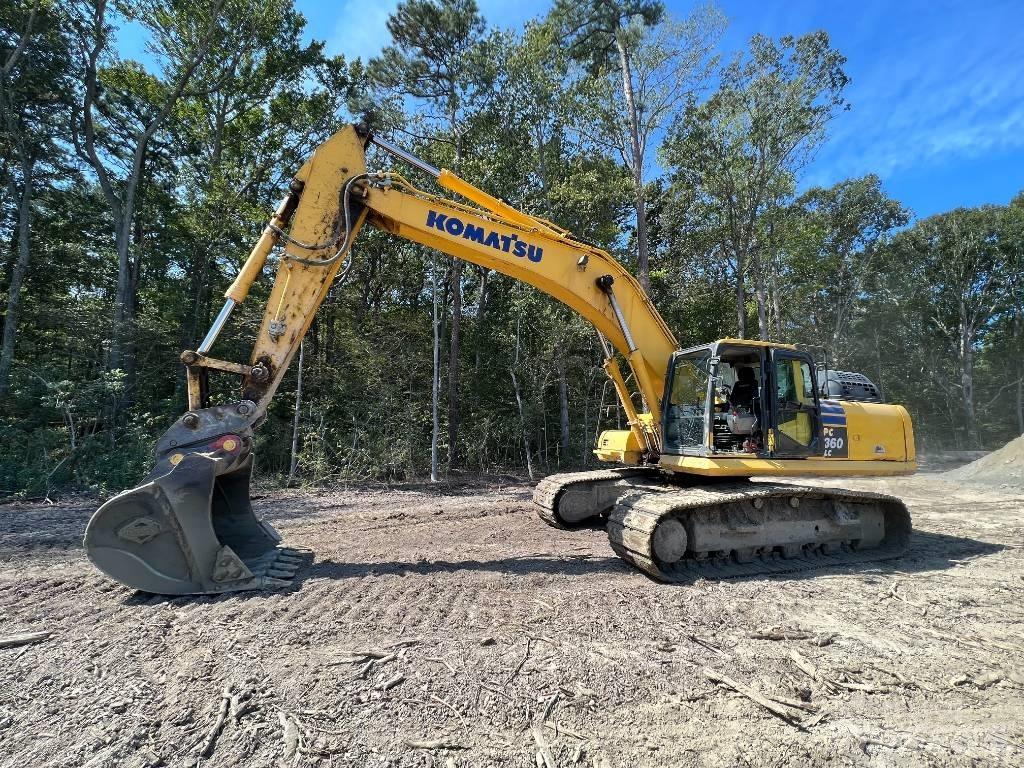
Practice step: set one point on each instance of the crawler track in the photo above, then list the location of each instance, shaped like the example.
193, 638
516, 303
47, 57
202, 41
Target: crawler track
743, 529
602, 487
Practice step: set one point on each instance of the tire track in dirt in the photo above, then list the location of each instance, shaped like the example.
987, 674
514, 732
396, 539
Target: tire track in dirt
487, 568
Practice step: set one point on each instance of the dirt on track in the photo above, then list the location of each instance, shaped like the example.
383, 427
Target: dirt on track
502, 638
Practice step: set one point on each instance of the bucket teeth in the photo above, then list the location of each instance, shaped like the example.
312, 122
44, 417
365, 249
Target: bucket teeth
268, 582
277, 568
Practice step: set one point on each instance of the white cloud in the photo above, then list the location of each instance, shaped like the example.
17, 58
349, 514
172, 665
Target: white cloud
946, 93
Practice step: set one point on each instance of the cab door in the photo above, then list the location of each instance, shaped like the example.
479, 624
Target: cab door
796, 414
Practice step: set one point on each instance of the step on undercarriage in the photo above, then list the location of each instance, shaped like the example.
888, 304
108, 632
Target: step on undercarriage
727, 529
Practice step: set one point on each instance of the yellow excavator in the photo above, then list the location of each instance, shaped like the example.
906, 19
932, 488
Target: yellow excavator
701, 421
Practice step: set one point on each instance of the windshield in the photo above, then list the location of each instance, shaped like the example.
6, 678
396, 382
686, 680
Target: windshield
684, 418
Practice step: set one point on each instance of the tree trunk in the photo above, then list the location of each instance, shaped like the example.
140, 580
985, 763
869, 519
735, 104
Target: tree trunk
435, 382
1020, 404
294, 463
121, 195
776, 303
519, 406
741, 299
481, 308
1018, 334
522, 423
453, 364
453, 351
563, 409
636, 150
967, 389
759, 294
17, 277
130, 348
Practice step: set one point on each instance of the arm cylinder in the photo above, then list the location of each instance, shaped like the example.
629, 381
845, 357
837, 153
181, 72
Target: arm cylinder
460, 186
408, 157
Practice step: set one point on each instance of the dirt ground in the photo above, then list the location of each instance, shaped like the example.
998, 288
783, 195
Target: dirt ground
502, 638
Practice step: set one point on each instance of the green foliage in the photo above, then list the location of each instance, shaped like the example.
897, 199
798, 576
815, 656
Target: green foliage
591, 28
933, 311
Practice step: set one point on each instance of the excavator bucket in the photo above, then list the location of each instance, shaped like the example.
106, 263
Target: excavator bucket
189, 527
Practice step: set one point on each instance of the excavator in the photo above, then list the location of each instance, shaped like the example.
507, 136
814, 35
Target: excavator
701, 422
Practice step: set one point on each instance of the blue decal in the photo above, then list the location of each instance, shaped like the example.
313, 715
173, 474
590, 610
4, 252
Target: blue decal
832, 413
456, 227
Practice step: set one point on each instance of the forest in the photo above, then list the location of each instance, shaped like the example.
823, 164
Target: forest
132, 190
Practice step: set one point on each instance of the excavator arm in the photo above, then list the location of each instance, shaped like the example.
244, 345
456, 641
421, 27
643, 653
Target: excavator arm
189, 526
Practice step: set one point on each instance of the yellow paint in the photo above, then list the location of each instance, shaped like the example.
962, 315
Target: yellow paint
908, 434
878, 432
299, 289
740, 466
756, 343
176, 459
404, 212
230, 445
619, 442
459, 186
253, 266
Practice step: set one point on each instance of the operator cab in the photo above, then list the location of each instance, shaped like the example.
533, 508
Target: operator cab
742, 398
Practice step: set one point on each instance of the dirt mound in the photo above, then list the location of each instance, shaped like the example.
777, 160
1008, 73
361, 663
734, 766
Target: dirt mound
1002, 468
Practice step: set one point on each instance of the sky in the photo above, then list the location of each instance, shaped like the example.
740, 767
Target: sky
936, 92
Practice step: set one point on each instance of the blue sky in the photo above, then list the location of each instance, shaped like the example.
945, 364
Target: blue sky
937, 87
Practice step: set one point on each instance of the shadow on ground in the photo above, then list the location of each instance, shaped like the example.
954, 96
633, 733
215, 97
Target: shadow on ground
927, 552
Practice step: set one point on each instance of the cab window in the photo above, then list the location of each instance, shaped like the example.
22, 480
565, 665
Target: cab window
684, 417
794, 381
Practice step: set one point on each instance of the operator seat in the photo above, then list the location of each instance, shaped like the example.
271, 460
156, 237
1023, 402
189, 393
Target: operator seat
745, 389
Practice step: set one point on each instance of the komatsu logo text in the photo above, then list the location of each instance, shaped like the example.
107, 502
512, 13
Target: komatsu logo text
507, 243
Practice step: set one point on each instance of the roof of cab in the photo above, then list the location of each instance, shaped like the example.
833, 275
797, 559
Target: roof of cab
756, 343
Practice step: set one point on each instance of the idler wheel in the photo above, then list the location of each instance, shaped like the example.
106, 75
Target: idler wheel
669, 541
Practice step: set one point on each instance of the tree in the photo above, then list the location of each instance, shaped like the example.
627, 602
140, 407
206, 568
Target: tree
439, 58
35, 88
124, 107
829, 242
740, 151
541, 162
640, 67
959, 271
275, 99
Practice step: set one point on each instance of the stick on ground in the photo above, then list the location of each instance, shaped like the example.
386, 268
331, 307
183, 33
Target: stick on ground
433, 744
779, 634
24, 638
757, 698
542, 747
526, 655
387, 685
218, 724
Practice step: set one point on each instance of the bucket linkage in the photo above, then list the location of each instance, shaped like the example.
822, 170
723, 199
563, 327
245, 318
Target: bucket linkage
189, 527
